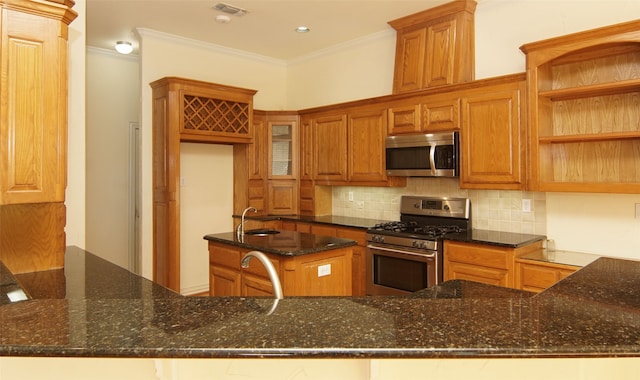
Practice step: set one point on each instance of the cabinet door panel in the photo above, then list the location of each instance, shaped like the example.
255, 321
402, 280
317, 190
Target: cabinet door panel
330, 148
404, 119
327, 276
223, 281
409, 61
255, 286
283, 197
33, 124
366, 135
440, 54
492, 141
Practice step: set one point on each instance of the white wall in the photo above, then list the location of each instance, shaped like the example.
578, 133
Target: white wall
113, 101
205, 170
75, 195
357, 69
16, 368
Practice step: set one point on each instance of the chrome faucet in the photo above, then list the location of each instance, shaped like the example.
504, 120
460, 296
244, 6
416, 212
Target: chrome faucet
240, 228
273, 275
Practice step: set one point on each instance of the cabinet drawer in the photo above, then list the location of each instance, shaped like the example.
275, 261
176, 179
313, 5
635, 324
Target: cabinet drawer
359, 236
257, 268
317, 229
484, 275
478, 255
221, 255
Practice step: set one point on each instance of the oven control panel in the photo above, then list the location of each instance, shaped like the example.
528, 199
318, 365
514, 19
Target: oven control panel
443, 206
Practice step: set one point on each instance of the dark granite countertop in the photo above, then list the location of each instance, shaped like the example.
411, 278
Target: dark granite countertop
336, 220
576, 259
489, 237
498, 238
94, 308
285, 243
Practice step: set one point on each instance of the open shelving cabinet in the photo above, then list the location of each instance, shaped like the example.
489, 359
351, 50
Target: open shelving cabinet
584, 119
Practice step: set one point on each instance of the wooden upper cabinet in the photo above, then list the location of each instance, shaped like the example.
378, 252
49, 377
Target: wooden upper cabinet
330, 148
282, 146
492, 140
208, 112
33, 111
584, 114
306, 148
435, 47
435, 112
348, 146
366, 132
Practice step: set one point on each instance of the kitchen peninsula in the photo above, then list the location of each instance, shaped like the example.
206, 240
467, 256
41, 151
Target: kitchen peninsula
307, 264
93, 308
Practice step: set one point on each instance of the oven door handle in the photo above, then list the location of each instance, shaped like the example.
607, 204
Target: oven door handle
428, 255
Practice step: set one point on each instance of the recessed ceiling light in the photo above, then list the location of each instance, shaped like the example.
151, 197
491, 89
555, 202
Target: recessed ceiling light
302, 29
223, 19
124, 47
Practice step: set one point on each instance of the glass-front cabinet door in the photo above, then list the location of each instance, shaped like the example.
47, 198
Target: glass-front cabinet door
283, 163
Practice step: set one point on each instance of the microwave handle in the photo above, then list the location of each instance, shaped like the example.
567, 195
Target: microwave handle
432, 159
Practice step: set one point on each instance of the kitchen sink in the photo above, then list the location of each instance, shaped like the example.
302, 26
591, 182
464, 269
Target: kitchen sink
261, 232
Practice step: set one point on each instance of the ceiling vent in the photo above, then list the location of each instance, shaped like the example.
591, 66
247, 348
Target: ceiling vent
230, 9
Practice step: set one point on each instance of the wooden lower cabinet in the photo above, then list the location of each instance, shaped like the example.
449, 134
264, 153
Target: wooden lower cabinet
488, 264
326, 273
536, 276
358, 273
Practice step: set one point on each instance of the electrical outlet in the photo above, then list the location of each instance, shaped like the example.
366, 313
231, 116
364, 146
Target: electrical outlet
182, 182
526, 205
351, 196
324, 270
360, 204
637, 210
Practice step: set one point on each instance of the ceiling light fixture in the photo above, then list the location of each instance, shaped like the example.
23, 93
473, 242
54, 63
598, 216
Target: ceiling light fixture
223, 19
124, 47
302, 29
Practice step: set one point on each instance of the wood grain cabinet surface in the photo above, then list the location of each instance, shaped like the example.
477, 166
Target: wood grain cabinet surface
326, 273
435, 47
583, 94
488, 264
33, 133
493, 135
536, 276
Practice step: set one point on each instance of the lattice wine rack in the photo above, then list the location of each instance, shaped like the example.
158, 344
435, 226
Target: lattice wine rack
215, 115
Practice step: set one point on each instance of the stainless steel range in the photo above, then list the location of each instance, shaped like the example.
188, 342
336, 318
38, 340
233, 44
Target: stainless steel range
406, 256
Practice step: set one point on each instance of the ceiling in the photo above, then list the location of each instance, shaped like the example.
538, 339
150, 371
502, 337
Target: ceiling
266, 29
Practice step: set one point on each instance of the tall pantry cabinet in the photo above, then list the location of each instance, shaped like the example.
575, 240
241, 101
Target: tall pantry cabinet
33, 133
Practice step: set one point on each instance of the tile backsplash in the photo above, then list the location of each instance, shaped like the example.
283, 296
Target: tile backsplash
499, 210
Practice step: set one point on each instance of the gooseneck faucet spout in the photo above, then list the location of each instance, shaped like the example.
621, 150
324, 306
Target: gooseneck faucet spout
273, 275
240, 228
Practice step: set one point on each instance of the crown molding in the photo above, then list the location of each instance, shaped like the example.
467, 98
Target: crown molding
113, 53
144, 32
348, 45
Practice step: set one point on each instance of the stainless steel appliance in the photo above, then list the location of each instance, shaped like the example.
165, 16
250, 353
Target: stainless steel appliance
405, 256
423, 155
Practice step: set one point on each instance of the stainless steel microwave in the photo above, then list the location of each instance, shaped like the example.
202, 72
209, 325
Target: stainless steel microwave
423, 155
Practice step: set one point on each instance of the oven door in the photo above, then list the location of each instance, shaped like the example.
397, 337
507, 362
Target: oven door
393, 270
